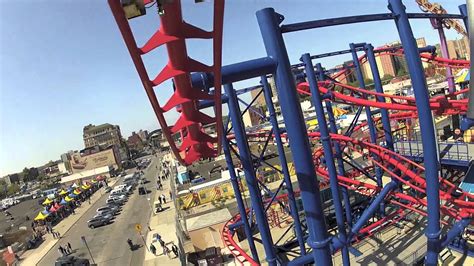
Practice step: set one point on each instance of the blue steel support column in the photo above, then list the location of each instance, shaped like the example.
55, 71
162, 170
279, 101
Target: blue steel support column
238, 198
430, 154
337, 148
370, 120
247, 165
267, 92
369, 49
318, 240
463, 11
328, 156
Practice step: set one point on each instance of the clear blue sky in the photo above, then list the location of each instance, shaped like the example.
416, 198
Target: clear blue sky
64, 64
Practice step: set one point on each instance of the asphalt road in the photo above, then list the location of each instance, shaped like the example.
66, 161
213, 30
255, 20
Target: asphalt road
19, 213
108, 243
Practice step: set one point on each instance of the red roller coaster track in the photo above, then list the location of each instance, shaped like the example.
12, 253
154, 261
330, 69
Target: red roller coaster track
457, 207
172, 33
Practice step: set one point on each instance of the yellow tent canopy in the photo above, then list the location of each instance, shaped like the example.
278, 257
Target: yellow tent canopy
77, 192
62, 192
68, 199
41, 216
338, 112
93, 181
85, 186
47, 201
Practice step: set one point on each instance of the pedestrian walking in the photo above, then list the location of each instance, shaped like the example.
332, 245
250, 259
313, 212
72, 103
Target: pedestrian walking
66, 250
160, 200
171, 195
153, 249
164, 198
162, 243
61, 251
174, 248
69, 246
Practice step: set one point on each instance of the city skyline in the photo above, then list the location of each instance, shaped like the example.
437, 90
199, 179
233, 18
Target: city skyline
78, 71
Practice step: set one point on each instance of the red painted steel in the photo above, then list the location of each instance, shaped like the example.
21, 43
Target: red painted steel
173, 31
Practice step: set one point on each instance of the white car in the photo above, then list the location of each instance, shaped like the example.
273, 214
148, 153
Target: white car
117, 197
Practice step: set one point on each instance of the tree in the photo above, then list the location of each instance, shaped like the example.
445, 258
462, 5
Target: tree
387, 77
401, 72
12, 189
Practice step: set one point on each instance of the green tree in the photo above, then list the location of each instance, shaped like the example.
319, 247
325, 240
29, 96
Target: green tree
13, 188
387, 77
401, 72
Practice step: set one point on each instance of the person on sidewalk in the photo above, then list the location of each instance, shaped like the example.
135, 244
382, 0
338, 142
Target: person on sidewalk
62, 252
164, 198
153, 249
160, 200
174, 248
69, 246
66, 250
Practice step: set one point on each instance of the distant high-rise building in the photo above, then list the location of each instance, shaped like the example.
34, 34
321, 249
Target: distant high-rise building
143, 134
452, 49
260, 101
462, 48
386, 65
421, 42
102, 135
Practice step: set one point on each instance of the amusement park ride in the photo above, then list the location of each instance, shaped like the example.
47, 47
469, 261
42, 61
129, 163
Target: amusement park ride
427, 189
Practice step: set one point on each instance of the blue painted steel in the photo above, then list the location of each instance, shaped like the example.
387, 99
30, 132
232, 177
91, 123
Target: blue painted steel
357, 19
370, 119
238, 198
455, 231
284, 164
247, 165
328, 156
368, 212
338, 152
369, 49
235, 72
430, 155
318, 240
464, 14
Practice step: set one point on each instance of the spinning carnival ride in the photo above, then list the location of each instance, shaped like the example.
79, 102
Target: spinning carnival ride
411, 187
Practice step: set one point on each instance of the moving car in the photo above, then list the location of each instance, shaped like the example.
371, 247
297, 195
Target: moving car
99, 221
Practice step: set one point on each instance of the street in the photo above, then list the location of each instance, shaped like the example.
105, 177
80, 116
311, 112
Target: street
108, 244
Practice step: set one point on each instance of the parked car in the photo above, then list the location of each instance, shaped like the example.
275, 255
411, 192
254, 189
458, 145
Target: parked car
105, 215
71, 261
108, 189
115, 201
99, 221
119, 197
108, 208
123, 174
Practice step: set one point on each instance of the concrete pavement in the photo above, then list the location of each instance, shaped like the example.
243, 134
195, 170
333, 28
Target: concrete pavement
163, 223
107, 243
33, 256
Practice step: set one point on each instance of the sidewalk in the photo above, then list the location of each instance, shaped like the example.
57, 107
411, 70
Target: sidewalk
162, 223
33, 256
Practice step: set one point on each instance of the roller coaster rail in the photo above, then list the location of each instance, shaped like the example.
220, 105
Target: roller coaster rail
413, 188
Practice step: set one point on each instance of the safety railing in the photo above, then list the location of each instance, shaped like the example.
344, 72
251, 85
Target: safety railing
448, 150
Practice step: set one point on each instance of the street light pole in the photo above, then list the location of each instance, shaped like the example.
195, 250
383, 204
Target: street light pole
87, 246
